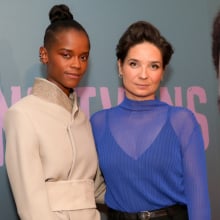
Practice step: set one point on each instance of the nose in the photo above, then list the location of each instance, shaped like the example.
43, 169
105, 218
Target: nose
143, 74
75, 62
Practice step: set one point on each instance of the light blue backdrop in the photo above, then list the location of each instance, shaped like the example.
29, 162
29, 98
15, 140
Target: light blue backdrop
191, 81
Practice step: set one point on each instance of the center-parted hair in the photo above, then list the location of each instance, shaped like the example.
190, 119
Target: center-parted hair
61, 19
139, 32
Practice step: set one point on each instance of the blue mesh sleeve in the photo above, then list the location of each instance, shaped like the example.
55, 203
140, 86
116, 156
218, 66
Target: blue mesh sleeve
194, 163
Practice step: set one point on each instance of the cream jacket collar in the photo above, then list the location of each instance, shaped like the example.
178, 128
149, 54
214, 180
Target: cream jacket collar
52, 93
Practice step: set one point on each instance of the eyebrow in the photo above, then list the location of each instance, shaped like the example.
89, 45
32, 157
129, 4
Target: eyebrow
156, 62
72, 51
151, 61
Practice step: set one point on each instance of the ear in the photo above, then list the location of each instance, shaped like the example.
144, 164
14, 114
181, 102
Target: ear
43, 55
120, 68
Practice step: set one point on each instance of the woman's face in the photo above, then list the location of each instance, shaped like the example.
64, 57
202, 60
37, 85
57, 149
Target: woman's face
67, 59
142, 71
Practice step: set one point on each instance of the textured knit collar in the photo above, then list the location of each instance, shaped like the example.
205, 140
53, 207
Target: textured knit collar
50, 92
141, 105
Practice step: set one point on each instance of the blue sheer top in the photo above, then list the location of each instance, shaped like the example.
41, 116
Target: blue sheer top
152, 155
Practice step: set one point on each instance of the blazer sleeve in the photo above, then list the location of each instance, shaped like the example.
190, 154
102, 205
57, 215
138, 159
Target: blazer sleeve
24, 167
100, 187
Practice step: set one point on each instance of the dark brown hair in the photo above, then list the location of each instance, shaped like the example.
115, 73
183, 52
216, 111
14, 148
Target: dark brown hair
140, 32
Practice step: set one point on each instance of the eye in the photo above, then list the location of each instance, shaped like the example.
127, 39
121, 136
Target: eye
154, 66
133, 64
84, 58
66, 55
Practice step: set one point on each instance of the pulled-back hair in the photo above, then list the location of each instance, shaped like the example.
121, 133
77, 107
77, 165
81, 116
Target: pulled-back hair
216, 43
61, 18
139, 32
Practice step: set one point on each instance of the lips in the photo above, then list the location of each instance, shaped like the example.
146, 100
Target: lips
73, 75
142, 86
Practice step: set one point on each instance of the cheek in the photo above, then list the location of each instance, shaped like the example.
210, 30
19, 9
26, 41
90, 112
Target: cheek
54, 63
129, 73
85, 65
128, 80
156, 78
53, 67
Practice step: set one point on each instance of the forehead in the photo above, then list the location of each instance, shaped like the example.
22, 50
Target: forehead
145, 50
71, 39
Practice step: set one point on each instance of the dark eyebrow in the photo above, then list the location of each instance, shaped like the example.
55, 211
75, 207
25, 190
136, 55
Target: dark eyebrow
132, 59
62, 49
155, 62
71, 51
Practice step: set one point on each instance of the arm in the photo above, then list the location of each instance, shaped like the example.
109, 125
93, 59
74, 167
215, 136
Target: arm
99, 187
24, 168
98, 127
195, 176
194, 168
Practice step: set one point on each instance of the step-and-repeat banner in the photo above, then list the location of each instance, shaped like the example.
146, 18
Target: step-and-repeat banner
190, 79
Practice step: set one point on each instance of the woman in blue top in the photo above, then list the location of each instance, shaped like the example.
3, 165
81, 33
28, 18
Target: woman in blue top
151, 154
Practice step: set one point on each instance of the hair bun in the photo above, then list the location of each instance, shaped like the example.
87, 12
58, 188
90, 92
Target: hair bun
60, 12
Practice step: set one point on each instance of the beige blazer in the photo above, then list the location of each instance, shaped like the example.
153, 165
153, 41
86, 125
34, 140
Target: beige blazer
51, 158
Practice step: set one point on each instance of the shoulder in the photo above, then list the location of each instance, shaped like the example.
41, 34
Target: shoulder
20, 106
183, 121
23, 103
181, 113
99, 115
21, 110
104, 112
100, 118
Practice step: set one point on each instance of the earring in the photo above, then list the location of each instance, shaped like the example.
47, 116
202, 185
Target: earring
120, 75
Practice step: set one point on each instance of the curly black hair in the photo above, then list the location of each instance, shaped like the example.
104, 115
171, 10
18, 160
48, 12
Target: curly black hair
216, 42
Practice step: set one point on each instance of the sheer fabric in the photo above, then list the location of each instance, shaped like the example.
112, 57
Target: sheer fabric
152, 155
129, 129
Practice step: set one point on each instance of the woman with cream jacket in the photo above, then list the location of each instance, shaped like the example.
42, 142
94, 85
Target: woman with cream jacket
50, 154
